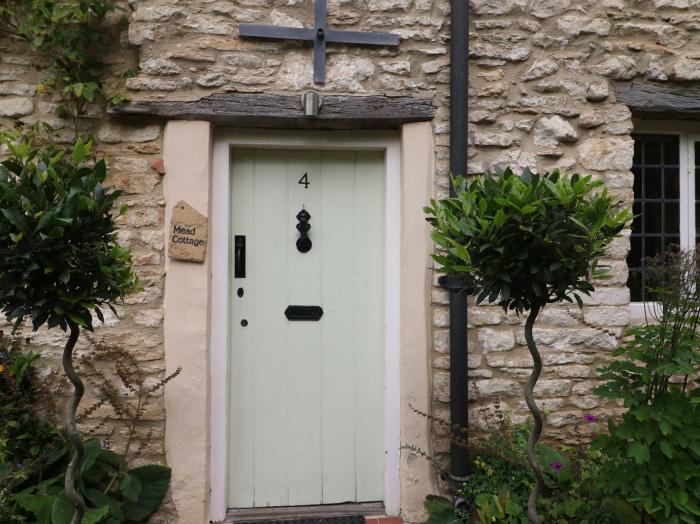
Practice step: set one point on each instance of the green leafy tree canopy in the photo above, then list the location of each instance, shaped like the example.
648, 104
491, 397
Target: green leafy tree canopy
524, 240
59, 256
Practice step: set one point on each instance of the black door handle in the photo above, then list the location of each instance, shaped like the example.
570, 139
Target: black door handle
239, 256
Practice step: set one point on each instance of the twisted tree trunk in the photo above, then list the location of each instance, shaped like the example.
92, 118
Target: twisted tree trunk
536, 415
71, 430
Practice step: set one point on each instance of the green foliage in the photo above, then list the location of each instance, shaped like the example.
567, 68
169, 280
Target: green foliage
113, 496
28, 441
654, 454
442, 511
500, 508
34, 457
59, 257
68, 35
666, 346
654, 451
500, 479
650, 357
524, 240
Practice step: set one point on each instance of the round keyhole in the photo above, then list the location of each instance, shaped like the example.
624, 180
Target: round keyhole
240, 292
244, 323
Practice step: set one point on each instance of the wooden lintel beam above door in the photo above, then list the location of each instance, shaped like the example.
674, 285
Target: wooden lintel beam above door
286, 111
667, 101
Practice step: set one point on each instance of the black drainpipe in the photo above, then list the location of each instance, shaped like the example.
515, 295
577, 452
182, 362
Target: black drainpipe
459, 370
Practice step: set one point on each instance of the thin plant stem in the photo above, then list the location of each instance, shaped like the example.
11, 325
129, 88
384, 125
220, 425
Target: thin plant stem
536, 415
71, 430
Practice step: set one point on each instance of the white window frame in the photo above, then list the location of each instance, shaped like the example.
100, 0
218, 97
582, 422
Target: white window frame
688, 133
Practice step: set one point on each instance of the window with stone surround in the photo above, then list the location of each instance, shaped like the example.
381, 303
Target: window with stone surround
665, 168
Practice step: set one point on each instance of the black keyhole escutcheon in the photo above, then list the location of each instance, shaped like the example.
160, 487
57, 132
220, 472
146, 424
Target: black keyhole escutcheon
304, 242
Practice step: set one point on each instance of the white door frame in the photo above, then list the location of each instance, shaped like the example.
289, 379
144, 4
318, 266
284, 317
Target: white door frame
225, 140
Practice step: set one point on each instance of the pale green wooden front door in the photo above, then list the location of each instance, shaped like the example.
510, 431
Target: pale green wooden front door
306, 419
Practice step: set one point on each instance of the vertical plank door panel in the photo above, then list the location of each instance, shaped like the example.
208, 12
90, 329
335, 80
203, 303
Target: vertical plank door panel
241, 429
338, 171
305, 470
269, 246
368, 238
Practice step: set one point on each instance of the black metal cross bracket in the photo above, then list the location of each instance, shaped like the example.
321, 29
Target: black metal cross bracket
320, 35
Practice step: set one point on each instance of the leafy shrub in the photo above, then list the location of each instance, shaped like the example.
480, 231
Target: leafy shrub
24, 434
59, 257
525, 242
28, 441
655, 457
500, 480
114, 496
115, 491
654, 450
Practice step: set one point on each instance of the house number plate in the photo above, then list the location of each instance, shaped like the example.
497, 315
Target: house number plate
304, 313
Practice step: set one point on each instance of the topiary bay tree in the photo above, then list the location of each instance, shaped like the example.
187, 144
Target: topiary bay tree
524, 242
59, 257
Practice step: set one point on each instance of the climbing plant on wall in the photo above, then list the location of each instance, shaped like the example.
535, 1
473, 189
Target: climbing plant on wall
69, 40
525, 242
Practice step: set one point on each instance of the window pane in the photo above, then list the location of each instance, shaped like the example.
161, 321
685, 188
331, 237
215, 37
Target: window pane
634, 282
652, 246
634, 259
638, 180
652, 217
671, 151
652, 152
672, 218
671, 243
652, 182
637, 222
672, 183
638, 152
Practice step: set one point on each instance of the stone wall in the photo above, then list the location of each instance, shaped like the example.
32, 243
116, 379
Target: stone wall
540, 97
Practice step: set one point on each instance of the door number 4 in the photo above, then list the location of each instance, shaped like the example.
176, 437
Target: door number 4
304, 181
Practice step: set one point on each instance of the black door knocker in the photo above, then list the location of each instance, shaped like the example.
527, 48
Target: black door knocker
304, 242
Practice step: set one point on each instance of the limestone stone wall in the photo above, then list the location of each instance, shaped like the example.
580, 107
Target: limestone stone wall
540, 97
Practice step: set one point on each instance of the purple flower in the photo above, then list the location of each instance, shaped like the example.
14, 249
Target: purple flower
557, 466
590, 417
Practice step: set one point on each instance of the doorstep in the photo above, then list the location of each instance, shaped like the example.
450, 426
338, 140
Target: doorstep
383, 520
367, 513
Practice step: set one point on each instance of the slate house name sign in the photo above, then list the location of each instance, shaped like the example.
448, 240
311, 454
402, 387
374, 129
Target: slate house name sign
188, 234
